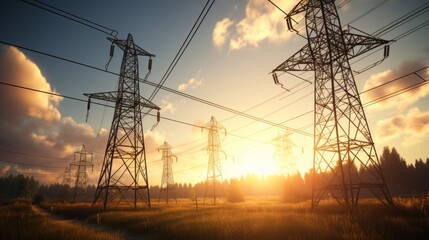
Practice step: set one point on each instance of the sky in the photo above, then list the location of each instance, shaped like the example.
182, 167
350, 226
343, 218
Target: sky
227, 62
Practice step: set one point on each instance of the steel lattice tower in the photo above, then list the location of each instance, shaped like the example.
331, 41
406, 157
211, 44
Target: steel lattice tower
123, 178
65, 176
167, 181
214, 169
345, 163
285, 155
81, 160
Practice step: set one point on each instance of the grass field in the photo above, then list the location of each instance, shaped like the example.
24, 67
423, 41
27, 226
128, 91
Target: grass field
17, 221
262, 219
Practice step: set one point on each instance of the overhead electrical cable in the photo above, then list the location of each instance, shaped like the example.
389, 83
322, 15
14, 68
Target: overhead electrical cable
72, 17
183, 48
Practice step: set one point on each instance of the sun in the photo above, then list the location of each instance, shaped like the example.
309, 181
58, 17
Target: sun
258, 161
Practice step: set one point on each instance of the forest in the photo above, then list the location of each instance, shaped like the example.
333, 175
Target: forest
402, 180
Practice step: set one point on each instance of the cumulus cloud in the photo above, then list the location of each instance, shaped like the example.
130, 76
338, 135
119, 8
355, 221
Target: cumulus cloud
153, 140
220, 32
262, 22
16, 68
412, 126
402, 101
31, 122
192, 83
168, 106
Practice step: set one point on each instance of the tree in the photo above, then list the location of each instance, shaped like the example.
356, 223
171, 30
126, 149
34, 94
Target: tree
234, 193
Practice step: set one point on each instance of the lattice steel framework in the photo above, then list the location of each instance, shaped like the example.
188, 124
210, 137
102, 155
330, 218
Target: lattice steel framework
123, 178
285, 154
81, 160
167, 181
345, 163
65, 176
214, 169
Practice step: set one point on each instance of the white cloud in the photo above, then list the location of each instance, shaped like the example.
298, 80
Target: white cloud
262, 22
31, 122
220, 32
192, 83
404, 100
413, 127
17, 69
168, 106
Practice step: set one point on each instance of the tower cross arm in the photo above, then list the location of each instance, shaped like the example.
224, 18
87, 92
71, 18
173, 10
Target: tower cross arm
300, 61
106, 96
148, 104
299, 8
357, 44
122, 44
113, 97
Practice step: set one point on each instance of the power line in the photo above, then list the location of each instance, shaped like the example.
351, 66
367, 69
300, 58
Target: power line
367, 12
402, 20
73, 17
30, 155
197, 126
28, 173
31, 164
183, 48
394, 80
81, 100
221, 107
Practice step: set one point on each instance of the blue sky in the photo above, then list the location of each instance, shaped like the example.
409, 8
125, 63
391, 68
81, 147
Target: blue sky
227, 62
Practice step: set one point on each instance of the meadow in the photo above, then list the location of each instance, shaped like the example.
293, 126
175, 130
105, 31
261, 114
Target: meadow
18, 221
263, 218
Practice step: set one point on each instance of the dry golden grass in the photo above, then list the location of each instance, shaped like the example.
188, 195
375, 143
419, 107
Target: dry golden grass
17, 221
265, 219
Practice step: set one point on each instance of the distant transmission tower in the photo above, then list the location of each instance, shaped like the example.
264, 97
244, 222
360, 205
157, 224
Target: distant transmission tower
65, 176
123, 177
214, 169
345, 163
81, 160
167, 182
285, 154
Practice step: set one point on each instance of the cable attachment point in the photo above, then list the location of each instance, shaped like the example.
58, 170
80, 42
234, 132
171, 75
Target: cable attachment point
112, 50
158, 119
87, 109
276, 81
149, 65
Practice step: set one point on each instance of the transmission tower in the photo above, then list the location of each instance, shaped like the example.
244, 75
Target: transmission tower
345, 162
214, 169
167, 182
285, 154
123, 178
65, 176
81, 160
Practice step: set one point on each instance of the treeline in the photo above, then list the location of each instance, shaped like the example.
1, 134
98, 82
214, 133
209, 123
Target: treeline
400, 177
18, 186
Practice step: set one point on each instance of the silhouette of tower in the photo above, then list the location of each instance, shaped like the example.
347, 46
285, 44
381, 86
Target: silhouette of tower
167, 182
285, 154
65, 176
123, 178
214, 169
81, 160
345, 162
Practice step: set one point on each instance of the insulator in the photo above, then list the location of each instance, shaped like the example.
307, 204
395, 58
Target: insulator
289, 23
112, 50
158, 116
89, 104
386, 51
276, 79
149, 66
87, 109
